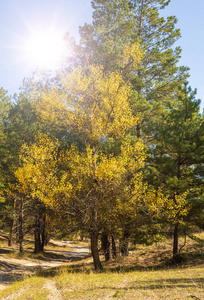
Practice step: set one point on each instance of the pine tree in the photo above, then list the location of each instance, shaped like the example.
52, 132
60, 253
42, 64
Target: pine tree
177, 151
5, 106
5, 209
121, 23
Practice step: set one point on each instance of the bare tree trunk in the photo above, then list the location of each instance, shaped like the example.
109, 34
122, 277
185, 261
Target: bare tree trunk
139, 133
125, 243
175, 241
106, 246
94, 251
10, 238
114, 252
21, 233
37, 235
43, 233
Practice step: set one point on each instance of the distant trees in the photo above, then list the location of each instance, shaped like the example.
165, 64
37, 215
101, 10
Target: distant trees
20, 125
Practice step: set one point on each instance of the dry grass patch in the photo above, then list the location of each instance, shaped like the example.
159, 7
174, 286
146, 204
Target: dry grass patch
164, 284
180, 283
28, 289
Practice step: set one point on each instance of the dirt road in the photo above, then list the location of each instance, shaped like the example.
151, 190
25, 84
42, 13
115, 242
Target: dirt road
13, 269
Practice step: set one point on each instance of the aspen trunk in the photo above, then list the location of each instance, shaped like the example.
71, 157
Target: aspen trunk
94, 252
106, 246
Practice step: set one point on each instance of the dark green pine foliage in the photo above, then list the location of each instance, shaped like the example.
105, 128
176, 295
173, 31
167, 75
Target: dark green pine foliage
177, 152
19, 125
118, 23
5, 105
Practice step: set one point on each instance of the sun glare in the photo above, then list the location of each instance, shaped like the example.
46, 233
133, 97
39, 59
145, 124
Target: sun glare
45, 49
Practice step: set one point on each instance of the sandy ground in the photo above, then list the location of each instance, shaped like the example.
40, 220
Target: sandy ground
13, 269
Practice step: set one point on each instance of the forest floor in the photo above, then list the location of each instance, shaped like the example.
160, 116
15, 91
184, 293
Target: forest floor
65, 271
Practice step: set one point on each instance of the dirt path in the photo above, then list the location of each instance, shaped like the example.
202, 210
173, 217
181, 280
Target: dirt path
53, 291
13, 269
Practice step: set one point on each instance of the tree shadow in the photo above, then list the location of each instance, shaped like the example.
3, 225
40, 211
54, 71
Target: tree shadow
5, 266
7, 279
10, 272
158, 284
5, 251
57, 255
168, 283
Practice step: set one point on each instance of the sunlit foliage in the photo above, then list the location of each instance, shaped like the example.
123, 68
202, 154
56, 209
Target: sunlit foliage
90, 102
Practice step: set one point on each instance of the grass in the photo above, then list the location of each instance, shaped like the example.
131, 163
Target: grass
164, 284
177, 283
29, 288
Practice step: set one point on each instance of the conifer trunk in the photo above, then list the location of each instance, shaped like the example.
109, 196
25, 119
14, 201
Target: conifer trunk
10, 238
175, 241
21, 233
114, 252
37, 235
125, 243
40, 233
43, 233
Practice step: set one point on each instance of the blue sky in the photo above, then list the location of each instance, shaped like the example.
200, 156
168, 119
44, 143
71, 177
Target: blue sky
19, 17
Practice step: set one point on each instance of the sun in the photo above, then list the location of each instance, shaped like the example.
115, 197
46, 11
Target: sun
45, 49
